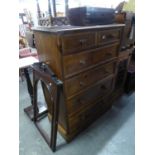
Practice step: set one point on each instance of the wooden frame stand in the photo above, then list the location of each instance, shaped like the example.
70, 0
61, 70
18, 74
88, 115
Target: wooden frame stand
29, 110
51, 88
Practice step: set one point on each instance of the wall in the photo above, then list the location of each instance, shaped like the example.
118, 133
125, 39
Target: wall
130, 6
31, 6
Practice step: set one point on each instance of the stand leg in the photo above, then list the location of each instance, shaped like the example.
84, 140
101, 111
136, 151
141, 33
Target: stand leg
29, 110
54, 127
29, 84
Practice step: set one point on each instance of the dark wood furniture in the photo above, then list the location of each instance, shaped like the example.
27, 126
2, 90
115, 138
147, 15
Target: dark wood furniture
128, 18
84, 16
123, 60
53, 90
85, 59
123, 75
130, 79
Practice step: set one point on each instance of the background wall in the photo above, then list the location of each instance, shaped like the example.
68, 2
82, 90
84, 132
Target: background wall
31, 6
130, 6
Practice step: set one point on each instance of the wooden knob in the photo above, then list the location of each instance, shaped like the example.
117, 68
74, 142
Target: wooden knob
85, 76
103, 87
104, 37
81, 101
82, 41
82, 62
82, 83
78, 102
82, 117
105, 71
108, 54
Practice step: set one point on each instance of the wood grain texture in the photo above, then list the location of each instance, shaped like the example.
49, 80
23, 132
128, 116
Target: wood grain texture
84, 80
76, 42
108, 36
79, 102
48, 51
74, 63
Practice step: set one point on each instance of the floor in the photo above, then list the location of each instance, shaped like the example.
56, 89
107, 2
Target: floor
112, 134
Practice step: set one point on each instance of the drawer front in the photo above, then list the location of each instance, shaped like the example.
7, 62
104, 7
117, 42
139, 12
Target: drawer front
108, 36
84, 118
84, 80
77, 42
90, 96
77, 62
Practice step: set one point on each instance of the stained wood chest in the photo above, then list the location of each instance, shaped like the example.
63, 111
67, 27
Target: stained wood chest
85, 59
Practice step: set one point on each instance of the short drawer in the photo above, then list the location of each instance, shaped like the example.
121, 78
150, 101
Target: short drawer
108, 36
77, 42
90, 96
84, 80
77, 62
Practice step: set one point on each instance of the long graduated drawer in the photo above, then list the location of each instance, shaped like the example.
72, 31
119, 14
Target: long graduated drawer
86, 79
74, 63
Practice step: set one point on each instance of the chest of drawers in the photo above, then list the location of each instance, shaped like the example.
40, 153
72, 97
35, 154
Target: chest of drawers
85, 59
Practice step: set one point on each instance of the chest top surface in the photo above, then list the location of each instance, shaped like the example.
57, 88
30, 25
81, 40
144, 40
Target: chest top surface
69, 28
